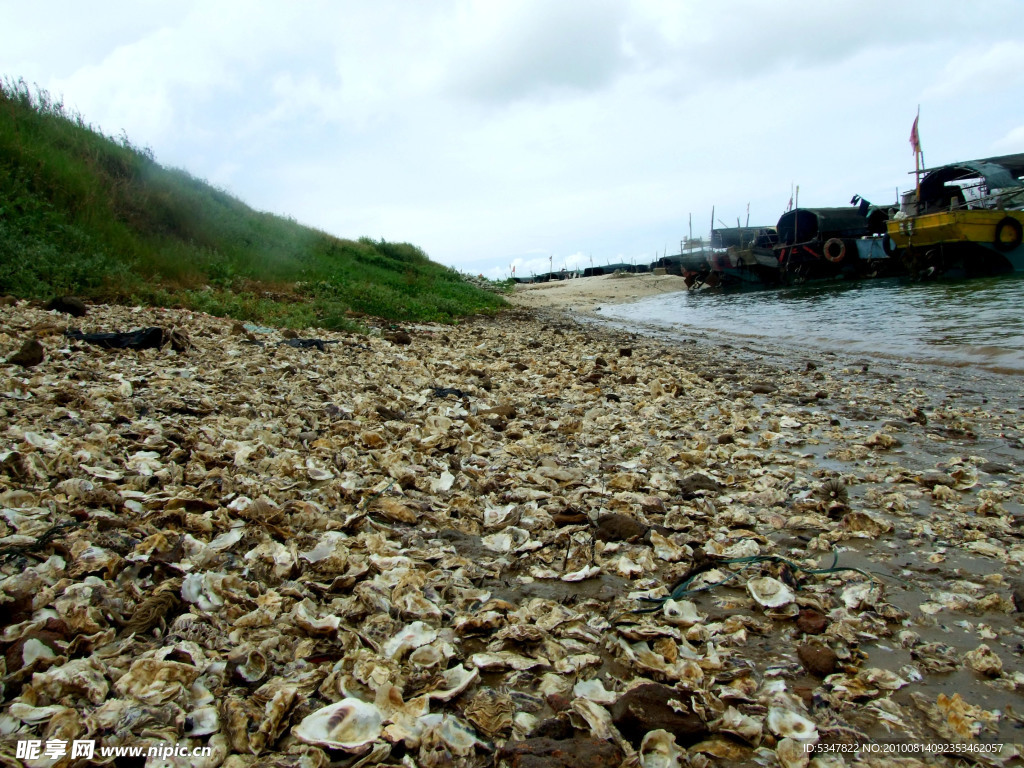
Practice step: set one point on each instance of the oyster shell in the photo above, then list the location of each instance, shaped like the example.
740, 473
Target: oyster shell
351, 725
491, 711
379, 522
769, 592
789, 725
659, 750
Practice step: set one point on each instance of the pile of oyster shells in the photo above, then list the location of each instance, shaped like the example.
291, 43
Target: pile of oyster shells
517, 541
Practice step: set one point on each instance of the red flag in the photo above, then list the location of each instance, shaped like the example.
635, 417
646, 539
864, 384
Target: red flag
915, 139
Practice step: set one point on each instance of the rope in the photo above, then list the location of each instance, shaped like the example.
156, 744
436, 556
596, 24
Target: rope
683, 588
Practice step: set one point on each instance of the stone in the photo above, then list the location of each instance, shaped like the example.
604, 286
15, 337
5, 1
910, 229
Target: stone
579, 752
652, 706
618, 527
69, 305
811, 622
819, 660
691, 485
30, 354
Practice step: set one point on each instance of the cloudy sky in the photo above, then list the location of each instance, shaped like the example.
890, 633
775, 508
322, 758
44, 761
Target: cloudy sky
494, 133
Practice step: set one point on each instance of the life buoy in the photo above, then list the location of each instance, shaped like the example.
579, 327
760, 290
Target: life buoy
1016, 231
835, 250
888, 246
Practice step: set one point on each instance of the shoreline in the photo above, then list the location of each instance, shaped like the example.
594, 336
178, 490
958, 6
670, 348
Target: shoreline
490, 500
586, 294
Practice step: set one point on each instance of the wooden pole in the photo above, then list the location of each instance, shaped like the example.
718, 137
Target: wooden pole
711, 230
796, 214
918, 156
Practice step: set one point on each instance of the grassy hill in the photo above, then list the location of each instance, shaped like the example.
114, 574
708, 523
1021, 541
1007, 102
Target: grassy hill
84, 214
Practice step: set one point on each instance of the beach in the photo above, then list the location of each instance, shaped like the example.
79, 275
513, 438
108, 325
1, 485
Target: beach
529, 539
589, 293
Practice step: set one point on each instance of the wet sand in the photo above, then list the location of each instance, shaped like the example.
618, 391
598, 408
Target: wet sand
503, 493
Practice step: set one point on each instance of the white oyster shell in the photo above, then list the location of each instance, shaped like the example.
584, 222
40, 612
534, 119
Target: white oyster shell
769, 592
410, 637
202, 721
351, 725
682, 613
659, 750
789, 725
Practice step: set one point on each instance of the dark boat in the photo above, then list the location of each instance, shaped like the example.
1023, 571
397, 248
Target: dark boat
817, 243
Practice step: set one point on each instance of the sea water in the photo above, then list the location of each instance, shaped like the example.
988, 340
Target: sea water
971, 324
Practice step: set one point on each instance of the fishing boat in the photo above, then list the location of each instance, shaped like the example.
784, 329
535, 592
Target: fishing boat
822, 243
743, 256
964, 219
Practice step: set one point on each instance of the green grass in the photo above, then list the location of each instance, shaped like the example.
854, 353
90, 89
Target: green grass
82, 213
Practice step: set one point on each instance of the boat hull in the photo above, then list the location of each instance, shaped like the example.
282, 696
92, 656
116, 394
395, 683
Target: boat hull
971, 241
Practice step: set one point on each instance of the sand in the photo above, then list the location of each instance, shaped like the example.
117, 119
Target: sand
587, 294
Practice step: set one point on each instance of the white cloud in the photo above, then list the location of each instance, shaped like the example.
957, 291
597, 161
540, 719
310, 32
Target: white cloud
1012, 142
992, 68
485, 131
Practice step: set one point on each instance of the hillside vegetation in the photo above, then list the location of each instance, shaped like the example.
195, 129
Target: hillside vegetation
82, 213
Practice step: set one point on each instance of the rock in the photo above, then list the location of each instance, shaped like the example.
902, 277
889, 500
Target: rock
288, 333
819, 660
652, 706
557, 728
762, 388
616, 527
1018, 597
569, 517
811, 622
995, 468
932, 479
504, 411
69, 305
389, 414
918, 417
580, 752
693, 484
30, 354
625, 352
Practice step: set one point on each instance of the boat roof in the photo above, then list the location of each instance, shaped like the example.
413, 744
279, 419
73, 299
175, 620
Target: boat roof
821, 223
723, 237
998, 172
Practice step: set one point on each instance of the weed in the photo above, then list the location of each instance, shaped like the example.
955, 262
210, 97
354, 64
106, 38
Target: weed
93, 215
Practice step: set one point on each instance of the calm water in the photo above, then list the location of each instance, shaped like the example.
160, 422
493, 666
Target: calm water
971, 324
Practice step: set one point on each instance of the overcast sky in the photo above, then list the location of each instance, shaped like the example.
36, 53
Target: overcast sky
495, 133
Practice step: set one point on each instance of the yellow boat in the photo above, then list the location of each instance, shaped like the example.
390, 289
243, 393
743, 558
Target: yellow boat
968, 220
1000, 229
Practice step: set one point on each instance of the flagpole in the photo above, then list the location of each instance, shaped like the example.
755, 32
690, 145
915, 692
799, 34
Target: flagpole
918, 156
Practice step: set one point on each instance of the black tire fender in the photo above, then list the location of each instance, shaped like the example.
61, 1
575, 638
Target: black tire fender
888, 246
834, 250
1017, 232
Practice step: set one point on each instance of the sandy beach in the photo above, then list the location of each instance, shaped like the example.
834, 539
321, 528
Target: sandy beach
586, 294
520, 540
